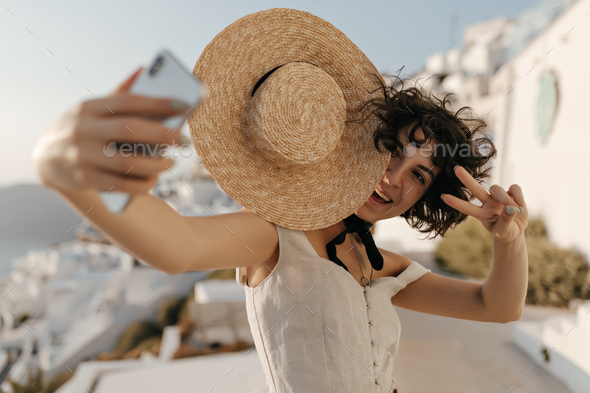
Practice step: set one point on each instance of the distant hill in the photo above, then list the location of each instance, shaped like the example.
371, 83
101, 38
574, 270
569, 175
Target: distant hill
34, 211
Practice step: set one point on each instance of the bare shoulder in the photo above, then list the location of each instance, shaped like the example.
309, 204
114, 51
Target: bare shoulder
231, 240
394, 263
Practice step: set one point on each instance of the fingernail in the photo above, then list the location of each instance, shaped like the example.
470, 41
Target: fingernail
177, 105
520, 210
455, 168
442, 195
511, 210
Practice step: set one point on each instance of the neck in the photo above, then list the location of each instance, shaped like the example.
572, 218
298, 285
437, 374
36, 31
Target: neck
329, 233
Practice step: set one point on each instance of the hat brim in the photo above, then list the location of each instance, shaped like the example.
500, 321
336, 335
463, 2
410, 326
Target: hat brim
231, 65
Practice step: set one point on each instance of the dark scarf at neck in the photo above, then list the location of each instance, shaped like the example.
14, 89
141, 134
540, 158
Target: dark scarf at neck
356, 224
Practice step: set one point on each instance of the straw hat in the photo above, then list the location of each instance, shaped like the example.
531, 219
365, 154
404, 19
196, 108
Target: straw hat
272, 132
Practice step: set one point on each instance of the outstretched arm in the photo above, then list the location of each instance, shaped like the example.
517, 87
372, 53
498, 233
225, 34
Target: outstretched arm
69, 159
148, 228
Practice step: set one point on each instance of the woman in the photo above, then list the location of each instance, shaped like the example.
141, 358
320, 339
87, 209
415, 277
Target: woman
327, 332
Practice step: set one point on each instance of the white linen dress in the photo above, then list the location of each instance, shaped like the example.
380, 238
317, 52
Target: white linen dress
316, 329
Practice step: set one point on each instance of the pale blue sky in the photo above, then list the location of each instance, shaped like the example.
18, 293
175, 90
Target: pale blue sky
102, 42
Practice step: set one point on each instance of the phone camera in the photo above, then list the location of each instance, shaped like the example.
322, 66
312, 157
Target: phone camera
157, 65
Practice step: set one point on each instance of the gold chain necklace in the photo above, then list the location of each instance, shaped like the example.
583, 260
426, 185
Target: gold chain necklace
366, 281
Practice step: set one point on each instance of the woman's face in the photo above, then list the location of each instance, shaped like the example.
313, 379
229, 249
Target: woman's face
406, 179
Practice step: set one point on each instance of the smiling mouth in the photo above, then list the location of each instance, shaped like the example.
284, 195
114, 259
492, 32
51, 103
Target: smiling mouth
379, 198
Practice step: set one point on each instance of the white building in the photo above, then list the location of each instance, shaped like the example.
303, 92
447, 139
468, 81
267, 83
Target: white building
76, 299
219, 310
560, 345
528, 78
236, 372
539, 99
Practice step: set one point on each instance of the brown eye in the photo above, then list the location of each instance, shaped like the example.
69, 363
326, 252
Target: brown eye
420, 177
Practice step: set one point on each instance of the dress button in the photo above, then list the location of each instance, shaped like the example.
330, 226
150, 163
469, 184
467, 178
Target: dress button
370, 323
368, 305
373, 342
376, 383
375, 364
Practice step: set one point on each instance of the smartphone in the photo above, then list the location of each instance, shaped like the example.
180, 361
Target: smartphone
166, 77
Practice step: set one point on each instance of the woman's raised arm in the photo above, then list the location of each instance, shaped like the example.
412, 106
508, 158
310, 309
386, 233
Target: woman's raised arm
69, 158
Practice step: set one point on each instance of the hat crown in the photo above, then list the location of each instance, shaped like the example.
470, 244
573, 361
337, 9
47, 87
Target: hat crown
296, 117
231, 146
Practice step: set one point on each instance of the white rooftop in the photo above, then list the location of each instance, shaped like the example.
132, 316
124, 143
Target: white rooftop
213, 291
236, 372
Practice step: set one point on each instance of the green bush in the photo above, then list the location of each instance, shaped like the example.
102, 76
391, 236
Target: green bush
169, 312
555, 275
183, 314
136, 333
466, 250
33, 385
151, 344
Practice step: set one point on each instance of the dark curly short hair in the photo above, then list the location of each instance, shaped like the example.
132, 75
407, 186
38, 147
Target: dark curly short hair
398, 108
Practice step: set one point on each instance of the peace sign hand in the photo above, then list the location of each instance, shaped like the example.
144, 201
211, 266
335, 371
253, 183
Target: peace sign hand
503, 213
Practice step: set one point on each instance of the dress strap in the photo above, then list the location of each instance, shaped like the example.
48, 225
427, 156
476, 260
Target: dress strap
413, 272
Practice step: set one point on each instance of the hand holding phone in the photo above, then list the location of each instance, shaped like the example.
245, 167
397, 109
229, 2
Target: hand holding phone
165, 78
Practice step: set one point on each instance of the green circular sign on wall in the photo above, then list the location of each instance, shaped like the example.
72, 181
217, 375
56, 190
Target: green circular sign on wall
546, 104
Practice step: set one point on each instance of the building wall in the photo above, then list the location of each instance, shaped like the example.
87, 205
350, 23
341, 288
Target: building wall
555, 175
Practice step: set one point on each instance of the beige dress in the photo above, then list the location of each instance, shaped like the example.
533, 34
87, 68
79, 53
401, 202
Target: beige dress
316, 329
